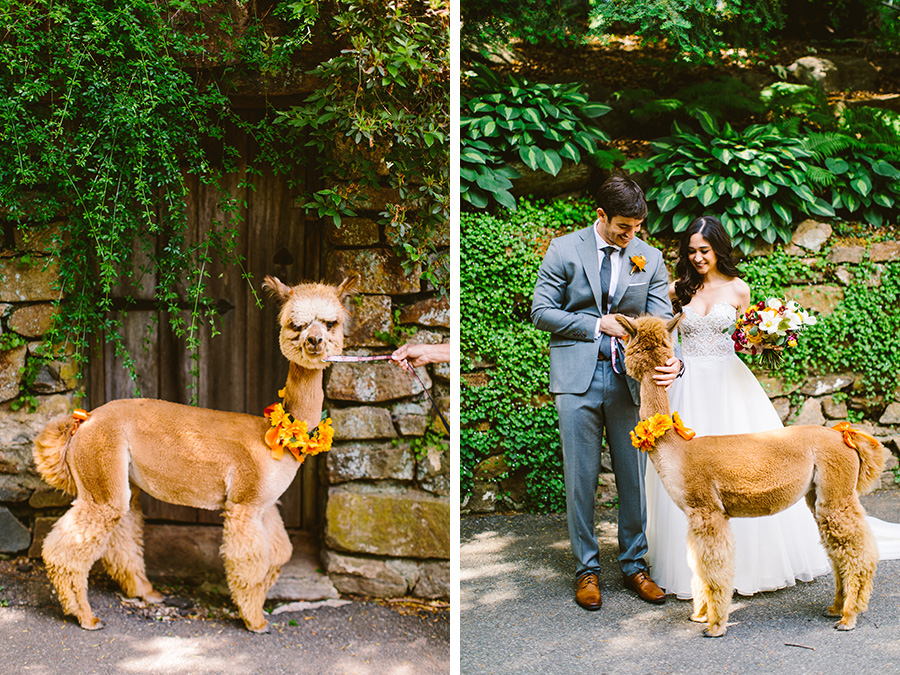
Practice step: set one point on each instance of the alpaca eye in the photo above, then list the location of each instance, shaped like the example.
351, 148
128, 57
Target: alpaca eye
331, 324
299, 328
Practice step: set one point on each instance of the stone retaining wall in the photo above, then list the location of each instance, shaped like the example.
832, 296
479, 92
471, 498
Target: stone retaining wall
822, 399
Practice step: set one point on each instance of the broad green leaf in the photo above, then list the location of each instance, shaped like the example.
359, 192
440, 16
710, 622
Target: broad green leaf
476, 198
728, 224
492, 182
862, 184
820, 207
531, 115
836, 165
749, 206
768, 235
757, 169
722, 154
873, 217
735, 189
504, 198
883, 168
707, 123
570, 151
594, 109
707, 195
782, 212
668, 199
472, 156
550, 161
766, 188
530, 154
803, 192
851, 201
883, 200
688, 187
681, 220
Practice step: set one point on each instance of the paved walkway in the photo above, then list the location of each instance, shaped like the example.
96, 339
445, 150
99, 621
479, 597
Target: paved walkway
517, 613
196, 631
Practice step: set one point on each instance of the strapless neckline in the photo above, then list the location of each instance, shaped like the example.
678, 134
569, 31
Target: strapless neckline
709, 311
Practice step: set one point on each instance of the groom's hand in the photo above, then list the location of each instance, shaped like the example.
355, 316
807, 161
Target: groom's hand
610, 326
665, 375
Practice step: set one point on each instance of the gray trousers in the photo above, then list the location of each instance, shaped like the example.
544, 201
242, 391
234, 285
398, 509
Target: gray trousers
606, 406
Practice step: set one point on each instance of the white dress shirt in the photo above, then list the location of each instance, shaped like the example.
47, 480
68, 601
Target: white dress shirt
616, 263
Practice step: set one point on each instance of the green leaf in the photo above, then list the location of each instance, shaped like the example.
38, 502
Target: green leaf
820, 207
550, 161
504, 198
688, 187
594, 109
782, 212
722, 154
803, 192
734, 188
862, 184
531, 155
728, 224
707, 195
749, 206
668, 199
873, 217
531, 115
681, 220
476, 198
883, 200
883, 168
766, 188
836, 166
570, 151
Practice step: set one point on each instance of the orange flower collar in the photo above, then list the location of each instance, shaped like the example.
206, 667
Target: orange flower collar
647, 431
290, 433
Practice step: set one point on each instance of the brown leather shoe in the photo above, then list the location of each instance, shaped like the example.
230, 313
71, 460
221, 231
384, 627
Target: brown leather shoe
588, 593
645, 587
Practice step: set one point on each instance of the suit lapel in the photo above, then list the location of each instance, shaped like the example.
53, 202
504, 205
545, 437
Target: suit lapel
624, 273
587, 251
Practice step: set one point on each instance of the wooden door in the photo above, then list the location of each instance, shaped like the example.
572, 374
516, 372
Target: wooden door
241, 369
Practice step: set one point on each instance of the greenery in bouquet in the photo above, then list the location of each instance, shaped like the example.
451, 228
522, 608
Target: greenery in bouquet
768, 327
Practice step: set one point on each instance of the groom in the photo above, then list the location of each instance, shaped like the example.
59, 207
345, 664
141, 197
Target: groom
586, 278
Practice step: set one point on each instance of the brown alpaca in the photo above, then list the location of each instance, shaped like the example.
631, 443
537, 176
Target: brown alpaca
191, 456
714, 478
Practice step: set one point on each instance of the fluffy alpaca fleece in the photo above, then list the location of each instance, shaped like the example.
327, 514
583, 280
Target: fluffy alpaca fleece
714, 478
190, 456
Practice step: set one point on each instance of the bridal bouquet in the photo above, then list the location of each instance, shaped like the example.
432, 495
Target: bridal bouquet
769, 327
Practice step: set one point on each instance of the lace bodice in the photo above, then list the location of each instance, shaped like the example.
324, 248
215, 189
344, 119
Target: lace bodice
708, 337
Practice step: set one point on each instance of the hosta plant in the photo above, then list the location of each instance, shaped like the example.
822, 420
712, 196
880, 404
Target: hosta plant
513, 119
754, 180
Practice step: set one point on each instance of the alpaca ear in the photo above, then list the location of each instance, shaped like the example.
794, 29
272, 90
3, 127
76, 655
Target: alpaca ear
277, 288
628, 324
674, 321
347, 287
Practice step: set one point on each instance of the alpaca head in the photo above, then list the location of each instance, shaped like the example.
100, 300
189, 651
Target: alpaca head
312, 320
648, 344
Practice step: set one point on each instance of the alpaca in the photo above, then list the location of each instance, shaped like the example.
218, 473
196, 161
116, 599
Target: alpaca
714, 478
191, 456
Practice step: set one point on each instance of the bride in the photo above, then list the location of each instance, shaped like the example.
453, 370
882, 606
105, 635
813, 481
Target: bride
719, 395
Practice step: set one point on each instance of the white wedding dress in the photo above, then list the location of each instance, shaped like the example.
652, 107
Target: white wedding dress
719, 395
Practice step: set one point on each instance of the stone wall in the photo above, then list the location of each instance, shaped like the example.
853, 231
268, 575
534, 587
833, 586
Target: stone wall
387, 518
822, 399
26, 290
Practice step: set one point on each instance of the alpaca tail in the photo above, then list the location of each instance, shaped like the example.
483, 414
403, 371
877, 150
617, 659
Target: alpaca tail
871, 456
50, 449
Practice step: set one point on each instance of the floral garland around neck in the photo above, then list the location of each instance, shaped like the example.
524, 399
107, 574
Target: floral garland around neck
647, 431
290, 433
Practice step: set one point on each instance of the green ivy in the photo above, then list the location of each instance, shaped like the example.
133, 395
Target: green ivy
387, 98
505, 407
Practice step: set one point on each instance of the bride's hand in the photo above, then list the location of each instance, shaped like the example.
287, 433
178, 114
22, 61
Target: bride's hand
666, 374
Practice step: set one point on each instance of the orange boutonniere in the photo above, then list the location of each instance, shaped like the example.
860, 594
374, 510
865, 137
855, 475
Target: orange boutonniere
637, 263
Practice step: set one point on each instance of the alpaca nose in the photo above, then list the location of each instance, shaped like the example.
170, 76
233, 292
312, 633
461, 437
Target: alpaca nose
314, 340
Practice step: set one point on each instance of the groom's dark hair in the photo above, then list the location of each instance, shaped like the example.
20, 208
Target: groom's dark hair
621, 196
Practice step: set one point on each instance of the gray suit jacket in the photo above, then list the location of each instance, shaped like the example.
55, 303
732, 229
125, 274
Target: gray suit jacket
567, 304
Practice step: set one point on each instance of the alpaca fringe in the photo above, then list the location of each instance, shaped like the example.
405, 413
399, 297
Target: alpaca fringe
50, 449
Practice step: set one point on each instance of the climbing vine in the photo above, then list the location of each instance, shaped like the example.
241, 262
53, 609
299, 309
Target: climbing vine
109, 110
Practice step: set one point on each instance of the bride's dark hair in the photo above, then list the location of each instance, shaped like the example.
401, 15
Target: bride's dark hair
689, 280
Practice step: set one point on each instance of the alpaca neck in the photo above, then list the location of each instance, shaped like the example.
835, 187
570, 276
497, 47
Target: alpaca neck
653, 398
303, 394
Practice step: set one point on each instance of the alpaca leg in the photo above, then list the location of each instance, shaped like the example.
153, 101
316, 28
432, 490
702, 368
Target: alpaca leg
246, 553
280, 548
124, 557
74, 544
699, 591
711, 547
854, 556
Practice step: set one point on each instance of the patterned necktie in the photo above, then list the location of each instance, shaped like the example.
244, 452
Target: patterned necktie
605, 275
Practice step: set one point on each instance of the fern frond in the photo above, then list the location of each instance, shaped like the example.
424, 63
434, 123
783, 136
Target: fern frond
826, 144
820, 176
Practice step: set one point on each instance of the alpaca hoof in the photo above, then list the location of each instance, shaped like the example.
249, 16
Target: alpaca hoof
264, 628
93, 623
153, 597
699, 618
845, 625
715, 632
